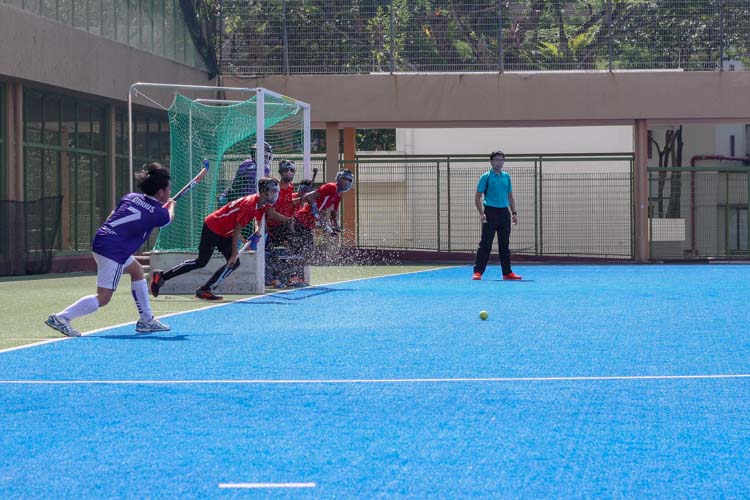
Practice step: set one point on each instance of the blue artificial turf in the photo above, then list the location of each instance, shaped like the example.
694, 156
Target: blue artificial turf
372, 422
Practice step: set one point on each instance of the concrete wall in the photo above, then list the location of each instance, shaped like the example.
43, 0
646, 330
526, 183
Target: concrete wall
36, 49
514, 99
606, 139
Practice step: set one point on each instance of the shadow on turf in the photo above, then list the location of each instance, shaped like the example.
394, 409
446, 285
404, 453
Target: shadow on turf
288, 296
143, 336
513, 281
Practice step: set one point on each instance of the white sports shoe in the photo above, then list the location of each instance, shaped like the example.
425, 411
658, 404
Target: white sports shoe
150, 326
61, 325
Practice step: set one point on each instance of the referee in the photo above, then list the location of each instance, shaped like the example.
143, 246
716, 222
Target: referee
496, 211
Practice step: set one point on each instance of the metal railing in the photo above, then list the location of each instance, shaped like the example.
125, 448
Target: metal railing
568, 205
699, 212
344, 36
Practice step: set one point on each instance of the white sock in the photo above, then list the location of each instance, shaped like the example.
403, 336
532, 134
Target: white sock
81, 307
140, 295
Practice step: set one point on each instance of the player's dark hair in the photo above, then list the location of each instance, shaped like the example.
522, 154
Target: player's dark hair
152, 178
496, 153
305, 186
263, 183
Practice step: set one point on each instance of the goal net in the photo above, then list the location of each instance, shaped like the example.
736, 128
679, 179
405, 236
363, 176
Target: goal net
226, 134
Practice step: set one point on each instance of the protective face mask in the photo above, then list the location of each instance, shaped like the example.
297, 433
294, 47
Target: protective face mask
274, 195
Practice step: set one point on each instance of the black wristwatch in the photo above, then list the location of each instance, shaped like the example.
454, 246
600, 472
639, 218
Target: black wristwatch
514, 213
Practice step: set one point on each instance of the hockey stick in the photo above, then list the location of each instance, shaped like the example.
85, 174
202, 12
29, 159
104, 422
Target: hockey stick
252, 243
315, 174
190, 185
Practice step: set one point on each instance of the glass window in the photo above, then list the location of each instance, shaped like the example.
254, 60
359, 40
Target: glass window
98, 127
51, 172
153, 138
83, 201
122, 177
52, 121
2, 142
68, 123
101, 190
121, 131
65, 152
141, 126
3, 173
34, 111
32, 173
165, 145
84, 125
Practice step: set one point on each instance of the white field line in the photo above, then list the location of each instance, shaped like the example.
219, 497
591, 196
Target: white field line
265, 485
377, 381
83, 334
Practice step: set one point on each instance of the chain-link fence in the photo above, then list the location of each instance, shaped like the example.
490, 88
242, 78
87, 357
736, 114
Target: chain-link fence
699, 212
571, 206
363, 36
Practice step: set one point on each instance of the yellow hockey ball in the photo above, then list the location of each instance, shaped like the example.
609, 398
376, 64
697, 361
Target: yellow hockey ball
484, 315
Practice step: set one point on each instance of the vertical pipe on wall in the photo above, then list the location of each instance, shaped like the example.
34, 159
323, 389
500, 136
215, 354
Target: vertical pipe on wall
640, 189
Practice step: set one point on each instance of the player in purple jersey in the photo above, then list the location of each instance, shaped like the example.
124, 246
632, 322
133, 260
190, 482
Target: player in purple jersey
124, 231
244, 182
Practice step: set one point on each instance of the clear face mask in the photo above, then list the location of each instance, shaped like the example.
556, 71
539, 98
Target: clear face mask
272, 194
287, 173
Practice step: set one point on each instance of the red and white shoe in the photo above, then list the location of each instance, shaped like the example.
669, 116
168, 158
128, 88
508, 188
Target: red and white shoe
511, 276
477, 276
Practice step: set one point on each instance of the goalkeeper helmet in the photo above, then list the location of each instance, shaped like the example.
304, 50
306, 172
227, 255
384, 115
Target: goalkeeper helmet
344, 180
267, 157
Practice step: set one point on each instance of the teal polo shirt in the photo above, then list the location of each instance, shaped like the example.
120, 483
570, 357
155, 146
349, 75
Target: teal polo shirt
496, 194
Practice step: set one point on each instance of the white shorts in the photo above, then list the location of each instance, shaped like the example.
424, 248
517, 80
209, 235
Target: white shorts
109, 272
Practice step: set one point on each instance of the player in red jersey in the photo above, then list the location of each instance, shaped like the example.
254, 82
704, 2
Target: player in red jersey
279, 225
301, 241
327, 199
221, 229
280, 215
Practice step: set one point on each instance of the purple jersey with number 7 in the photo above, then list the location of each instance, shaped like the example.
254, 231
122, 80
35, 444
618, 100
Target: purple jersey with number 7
128, 226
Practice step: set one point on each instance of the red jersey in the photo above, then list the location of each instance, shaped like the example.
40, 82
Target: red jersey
328, 197
239, 211
283, 206
305, 217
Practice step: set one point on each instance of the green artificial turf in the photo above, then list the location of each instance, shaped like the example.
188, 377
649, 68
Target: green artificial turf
27, 301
